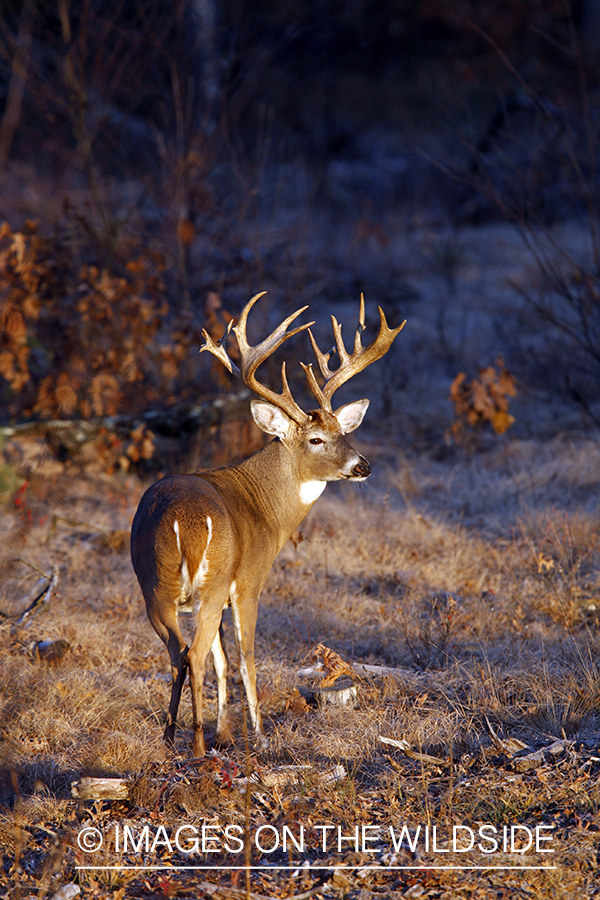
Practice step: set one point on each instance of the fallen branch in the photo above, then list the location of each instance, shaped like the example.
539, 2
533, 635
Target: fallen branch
412, 754
510, 746
42, 599
406, 674
285, 776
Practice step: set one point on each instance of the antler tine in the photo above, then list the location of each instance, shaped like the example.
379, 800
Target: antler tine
218, 349
274, 340
323, 358
362, 356
361, 323
339, 341
350, 365
313, 385
252, 357
323, 363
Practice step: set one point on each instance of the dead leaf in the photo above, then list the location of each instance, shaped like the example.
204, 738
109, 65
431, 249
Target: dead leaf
334, 665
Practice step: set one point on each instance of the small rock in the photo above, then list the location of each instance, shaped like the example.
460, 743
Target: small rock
66, 892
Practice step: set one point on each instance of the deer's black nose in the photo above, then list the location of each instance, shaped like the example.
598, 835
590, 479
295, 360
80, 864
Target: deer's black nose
362, 469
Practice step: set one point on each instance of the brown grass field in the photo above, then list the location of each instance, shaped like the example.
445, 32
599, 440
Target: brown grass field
473, 583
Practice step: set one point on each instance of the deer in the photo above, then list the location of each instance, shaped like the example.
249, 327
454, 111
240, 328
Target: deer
207, 540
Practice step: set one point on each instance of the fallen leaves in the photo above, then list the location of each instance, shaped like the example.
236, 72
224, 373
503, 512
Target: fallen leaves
333, 664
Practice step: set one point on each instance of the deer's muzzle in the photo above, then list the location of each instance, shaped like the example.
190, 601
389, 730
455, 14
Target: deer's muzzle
362, 469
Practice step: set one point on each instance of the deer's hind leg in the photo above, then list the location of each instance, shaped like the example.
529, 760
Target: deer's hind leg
213, 597
179, 667
166, 625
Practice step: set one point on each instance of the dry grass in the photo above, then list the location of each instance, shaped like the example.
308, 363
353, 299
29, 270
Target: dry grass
477, 580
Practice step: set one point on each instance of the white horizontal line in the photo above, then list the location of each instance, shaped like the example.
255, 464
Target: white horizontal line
310, 868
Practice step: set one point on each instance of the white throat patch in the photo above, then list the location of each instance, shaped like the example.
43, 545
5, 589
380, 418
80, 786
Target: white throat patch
311, 491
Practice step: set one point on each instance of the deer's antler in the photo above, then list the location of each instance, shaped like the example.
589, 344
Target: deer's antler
252, 357
350, 365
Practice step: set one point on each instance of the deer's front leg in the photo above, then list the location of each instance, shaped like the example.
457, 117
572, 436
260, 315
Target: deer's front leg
220, 661
244, 613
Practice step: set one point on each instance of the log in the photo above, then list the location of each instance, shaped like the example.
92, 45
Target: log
100, 789
44, 446
73, 433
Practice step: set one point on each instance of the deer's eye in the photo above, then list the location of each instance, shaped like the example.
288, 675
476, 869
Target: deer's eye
316, 441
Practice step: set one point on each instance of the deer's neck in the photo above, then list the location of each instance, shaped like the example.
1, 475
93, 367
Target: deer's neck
269, 485
274, 484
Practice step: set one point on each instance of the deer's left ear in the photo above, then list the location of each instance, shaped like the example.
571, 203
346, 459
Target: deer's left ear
351, 415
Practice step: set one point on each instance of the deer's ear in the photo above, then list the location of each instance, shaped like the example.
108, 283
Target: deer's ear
351, 415
271, 419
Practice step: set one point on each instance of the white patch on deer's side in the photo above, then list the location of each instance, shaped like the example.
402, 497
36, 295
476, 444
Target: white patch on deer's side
311, 491
176, 530
203, 567
190, 585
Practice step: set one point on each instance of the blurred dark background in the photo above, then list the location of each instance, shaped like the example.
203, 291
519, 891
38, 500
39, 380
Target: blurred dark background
163, 160
133, 87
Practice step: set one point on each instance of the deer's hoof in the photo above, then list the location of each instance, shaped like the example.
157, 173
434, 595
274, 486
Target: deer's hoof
224, 737
199, 750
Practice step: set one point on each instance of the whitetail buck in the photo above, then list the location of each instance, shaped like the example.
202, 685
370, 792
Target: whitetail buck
202, 541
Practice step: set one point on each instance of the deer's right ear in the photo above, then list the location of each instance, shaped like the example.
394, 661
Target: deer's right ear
270, 419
